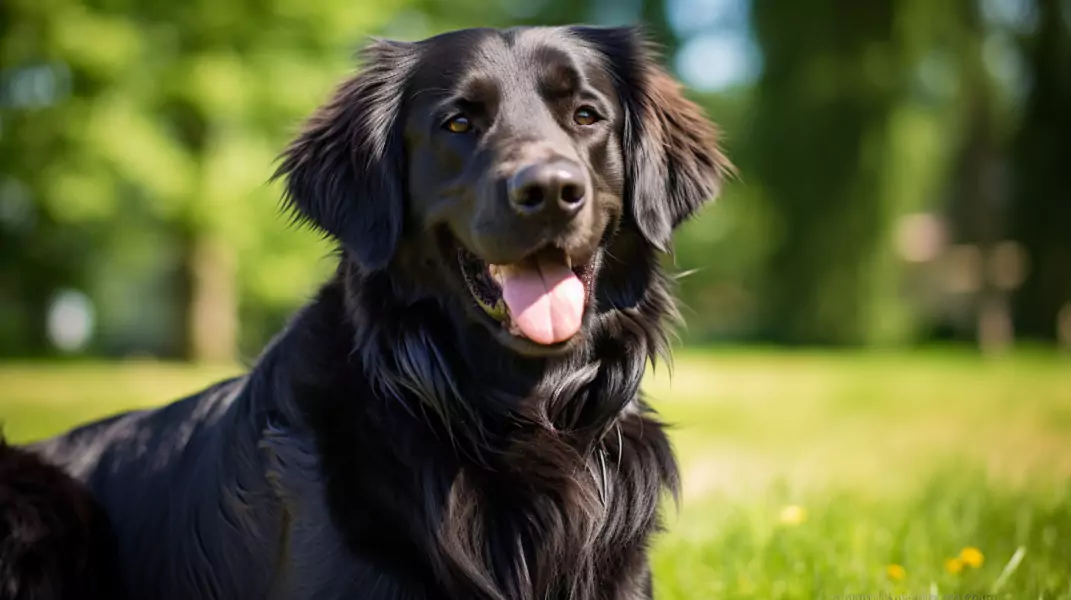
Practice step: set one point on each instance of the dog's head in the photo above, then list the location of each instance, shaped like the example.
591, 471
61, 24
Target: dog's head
501, 164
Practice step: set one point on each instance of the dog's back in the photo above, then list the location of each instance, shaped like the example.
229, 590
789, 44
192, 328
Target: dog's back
55, 539
168, 478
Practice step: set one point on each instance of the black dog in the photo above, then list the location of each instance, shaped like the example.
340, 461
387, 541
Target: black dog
457, 414
55, 541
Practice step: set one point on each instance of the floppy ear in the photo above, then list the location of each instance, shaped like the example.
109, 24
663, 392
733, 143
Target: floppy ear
672, 160
344, 172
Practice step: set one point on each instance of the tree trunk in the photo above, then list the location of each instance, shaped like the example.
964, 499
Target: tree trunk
832, 77
1041, 165
212, 300
977, 210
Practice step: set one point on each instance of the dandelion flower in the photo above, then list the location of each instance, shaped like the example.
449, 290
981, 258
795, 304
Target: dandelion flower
793, 515
972, 557
954, 565
895, 572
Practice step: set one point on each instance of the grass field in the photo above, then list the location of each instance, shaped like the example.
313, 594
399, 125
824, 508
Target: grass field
806, 474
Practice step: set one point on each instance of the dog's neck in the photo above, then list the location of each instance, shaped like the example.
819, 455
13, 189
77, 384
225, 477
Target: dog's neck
424, 356
427, 354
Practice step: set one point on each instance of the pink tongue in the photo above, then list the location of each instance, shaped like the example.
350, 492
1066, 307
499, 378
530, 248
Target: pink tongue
545, 300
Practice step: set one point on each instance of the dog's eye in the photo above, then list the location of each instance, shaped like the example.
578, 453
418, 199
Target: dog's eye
458, 124
585, 115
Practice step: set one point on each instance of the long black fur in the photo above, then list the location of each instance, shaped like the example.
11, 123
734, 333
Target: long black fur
55, 540
385, 445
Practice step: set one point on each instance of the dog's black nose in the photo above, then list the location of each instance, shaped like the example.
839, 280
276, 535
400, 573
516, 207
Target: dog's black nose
552, 189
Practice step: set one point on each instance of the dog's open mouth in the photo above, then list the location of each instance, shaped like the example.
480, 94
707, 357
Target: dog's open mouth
542, 297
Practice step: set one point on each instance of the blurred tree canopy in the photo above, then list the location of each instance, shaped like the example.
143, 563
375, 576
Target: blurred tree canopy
139, 135
903, 164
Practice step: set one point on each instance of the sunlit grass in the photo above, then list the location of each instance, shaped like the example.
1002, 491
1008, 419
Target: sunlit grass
854, 544
38, 399
806, 474
873, 420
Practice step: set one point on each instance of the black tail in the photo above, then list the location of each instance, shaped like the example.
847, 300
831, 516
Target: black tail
55, 539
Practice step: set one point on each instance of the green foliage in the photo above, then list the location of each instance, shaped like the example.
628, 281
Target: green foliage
137, 140
160, 131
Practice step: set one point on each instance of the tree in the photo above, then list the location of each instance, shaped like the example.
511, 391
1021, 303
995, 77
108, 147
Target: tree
1041, 162
831, 148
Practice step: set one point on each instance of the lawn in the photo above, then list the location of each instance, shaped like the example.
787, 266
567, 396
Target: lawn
806, 474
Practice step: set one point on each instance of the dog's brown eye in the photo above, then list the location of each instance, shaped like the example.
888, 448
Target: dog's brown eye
585, 116
458, 124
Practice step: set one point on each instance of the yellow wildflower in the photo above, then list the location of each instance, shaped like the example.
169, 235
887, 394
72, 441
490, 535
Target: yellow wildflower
954, 565
793, 515
895, 572
972, 557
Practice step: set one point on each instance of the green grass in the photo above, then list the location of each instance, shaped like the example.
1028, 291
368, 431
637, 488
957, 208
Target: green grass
887, 459
722, 548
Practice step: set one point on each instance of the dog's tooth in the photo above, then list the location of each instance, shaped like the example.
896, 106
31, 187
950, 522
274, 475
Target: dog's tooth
568, 262
503, 270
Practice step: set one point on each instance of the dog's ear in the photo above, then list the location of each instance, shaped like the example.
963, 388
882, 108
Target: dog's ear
345, 171
673, 164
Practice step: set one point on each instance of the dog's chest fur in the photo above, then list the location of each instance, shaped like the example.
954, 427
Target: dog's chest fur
574, 529
553, 495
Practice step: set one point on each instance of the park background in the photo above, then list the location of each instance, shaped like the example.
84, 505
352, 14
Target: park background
873, 391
